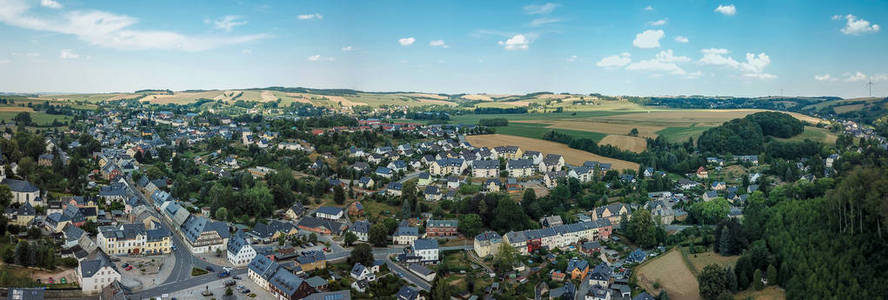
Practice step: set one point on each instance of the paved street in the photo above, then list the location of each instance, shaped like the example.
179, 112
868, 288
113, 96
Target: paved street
171, 287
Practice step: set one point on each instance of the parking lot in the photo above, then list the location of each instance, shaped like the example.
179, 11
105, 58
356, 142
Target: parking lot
217, 288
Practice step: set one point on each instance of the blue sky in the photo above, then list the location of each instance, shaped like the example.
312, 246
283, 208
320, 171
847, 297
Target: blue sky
742, 48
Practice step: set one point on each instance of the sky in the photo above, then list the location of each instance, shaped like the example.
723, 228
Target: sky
643, 48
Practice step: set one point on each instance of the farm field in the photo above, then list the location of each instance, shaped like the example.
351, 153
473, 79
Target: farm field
625, 142
7, 113
672, 274
674, 125
535, 130
572, 156
814, 134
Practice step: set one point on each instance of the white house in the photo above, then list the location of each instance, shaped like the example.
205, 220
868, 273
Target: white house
427, 249
96, 272
240, 252
329, 212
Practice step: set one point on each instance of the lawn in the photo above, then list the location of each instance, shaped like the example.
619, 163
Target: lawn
701, 260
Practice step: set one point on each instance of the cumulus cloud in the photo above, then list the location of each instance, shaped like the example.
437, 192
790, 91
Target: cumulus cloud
541, 9
310, 16
228, 22
572, 58
516, 42
663, 62
111, 30
51, 4
660, 22
855, 26
681, 39
648, 8
825, 77
318, 57
438, 43
753, 66
346, 48
68, 54
728, 10
544, 21
879, 77
615, 61
648, 39
406, 41
856, 76
247, 51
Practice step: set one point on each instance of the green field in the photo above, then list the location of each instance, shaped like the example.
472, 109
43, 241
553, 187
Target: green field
681, 134
40, 118
537, 130
473, 118
813, 133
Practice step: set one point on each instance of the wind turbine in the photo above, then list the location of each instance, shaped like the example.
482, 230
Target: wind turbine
870, 85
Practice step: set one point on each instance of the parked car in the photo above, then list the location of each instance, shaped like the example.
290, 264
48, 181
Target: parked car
128, 268
246, 291
210, 269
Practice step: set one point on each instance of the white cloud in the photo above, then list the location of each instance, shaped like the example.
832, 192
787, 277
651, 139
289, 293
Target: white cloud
663, 62
247, 51
346, 48
68, 54
879, 77
318, 57
229, 22
648, 39
310, 16
540, 9
728, 10
648, 8
438, 43
111, 30
572, 58
681, 39
857, 76
855, 26
406, 41
51, 4
516, 42
825, 77
544, 21
660, 22
753, 67
615, 61
667, 56
26, 54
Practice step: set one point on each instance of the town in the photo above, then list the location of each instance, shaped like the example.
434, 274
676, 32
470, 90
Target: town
139, 202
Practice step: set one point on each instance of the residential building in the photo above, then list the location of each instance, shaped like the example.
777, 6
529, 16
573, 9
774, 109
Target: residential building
405, 235
487, 243
426, 249
520, 168
361, 229
329, 212
23, 191
96, 272
441, 228
485, 168
240, 252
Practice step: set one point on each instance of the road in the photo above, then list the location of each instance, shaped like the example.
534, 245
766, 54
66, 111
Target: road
170, 287
185, 261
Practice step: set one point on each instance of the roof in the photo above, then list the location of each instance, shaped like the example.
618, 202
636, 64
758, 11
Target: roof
425, 244
329, 210
407, 293
315, 282
519, 164
485, 164
237, 242
20, 186
311, 257
285, 281
442, 223
420, 269
195, 225
89, 267
26, 293
360, 227
337, 295
313, 222
406, 230
488, 236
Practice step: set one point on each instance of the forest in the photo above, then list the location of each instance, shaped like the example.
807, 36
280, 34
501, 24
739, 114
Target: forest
747, 135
